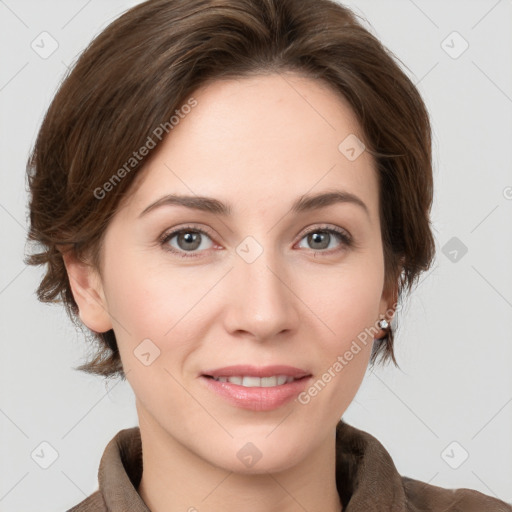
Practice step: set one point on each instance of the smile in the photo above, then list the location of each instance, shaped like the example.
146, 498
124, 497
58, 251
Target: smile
253, 382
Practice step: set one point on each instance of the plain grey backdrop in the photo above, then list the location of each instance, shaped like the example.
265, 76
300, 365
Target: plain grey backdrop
445, 417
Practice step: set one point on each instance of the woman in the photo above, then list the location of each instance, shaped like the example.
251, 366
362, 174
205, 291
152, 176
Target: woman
233, 196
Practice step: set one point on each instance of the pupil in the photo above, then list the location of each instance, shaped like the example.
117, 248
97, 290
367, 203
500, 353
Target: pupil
320, 238
190, 238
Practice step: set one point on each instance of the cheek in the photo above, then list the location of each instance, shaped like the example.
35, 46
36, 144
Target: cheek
345, 307
140, 304
346, 302
168, 306
143, 291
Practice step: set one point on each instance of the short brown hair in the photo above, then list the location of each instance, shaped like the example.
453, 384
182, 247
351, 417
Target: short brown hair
136, 73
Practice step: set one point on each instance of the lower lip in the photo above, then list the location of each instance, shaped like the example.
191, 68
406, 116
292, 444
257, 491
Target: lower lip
257, 398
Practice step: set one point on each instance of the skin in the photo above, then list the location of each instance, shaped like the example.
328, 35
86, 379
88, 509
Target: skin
258, 143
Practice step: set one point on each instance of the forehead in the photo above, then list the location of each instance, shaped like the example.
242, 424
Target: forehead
261, 138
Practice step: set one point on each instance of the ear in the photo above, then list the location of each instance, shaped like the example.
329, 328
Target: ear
388, 305
87, 290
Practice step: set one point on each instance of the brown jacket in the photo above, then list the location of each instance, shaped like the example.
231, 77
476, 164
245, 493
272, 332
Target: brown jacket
366, 477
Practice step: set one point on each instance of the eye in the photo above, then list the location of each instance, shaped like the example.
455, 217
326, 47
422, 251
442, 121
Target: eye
320, 239
188, 240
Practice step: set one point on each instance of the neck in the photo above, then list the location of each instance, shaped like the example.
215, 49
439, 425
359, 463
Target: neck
174, 479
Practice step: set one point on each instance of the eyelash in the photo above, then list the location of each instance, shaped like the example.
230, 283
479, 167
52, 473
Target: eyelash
344, 237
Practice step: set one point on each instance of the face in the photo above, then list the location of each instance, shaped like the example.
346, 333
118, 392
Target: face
192, 290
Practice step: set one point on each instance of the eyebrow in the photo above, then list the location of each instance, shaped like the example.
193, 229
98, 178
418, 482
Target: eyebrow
304, 203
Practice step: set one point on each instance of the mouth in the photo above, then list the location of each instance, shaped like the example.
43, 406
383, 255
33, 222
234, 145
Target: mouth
256, 388
251, 381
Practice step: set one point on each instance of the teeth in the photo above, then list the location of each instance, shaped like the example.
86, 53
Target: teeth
251, 382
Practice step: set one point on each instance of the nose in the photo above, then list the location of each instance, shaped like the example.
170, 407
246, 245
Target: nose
262, 304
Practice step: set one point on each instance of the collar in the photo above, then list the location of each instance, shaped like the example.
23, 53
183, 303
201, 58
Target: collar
364, 470
366, 478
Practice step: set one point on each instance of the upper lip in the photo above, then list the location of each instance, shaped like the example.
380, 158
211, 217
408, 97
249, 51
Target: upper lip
257, 371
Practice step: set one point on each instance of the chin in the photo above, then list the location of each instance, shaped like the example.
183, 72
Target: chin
255, 455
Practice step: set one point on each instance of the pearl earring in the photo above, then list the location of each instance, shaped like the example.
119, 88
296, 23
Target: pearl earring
383, 324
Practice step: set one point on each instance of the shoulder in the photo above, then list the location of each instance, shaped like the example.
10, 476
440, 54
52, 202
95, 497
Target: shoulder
93, 503
426, 497
365, 472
